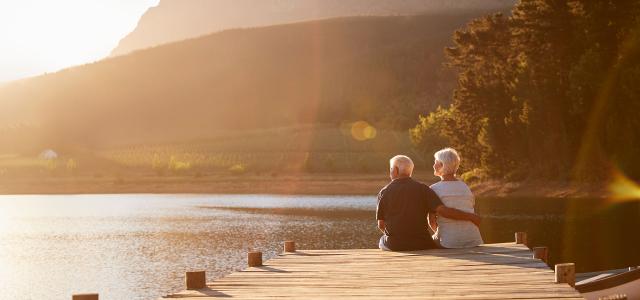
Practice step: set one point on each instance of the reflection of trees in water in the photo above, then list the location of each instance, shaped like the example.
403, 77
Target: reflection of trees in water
566, 226
593, 233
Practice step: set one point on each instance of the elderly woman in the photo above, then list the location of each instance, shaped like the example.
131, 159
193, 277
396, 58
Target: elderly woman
455, 194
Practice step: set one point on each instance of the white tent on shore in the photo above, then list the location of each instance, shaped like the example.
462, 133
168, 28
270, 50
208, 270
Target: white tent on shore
48, 154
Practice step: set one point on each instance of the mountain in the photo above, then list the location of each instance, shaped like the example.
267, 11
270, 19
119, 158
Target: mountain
174, 20
384, 70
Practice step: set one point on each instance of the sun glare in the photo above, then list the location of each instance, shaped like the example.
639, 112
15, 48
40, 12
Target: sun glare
46, 36
362, 131
624, 189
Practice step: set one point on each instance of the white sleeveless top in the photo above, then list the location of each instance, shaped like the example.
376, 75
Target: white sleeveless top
454, 233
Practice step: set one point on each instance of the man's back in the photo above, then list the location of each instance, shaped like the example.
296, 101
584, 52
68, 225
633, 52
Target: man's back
403, 205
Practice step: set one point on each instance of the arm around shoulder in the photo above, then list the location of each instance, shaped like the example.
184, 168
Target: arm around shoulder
456, 214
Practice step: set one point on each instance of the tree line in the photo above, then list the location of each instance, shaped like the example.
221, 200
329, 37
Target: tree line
551, 90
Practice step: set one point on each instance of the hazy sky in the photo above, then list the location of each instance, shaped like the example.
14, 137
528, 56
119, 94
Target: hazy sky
38, 36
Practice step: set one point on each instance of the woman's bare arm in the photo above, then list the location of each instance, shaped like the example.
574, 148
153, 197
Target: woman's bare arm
433, 222
381, 226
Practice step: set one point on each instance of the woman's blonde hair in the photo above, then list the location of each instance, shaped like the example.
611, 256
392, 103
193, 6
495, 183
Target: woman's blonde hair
450, 161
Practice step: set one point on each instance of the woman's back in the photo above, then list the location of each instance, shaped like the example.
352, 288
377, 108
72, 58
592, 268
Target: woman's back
453, 233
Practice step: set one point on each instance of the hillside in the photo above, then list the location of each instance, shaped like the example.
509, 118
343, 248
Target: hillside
174, 20
282, 150
385, 70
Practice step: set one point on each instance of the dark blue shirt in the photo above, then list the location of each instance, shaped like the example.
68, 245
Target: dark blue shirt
403, 204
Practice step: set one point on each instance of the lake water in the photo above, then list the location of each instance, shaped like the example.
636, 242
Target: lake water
139, 246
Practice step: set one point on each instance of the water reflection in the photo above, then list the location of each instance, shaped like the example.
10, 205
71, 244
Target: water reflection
139, 246
593, 233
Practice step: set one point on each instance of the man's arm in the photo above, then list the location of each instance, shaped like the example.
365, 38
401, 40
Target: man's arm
380, 215
381, 225
455, 214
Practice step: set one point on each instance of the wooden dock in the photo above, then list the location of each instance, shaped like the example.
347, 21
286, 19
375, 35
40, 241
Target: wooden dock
493, 271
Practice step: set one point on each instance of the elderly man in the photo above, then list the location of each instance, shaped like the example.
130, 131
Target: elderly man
403, 206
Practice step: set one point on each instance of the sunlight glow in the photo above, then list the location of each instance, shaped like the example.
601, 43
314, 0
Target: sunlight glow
46, 36
623, 188
362, 131
598, 114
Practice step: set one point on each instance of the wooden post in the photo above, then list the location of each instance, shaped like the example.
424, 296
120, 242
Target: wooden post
254, 258
289, 246
84, 297
541, 253
566, 273
521, 238
195, 280
614, 297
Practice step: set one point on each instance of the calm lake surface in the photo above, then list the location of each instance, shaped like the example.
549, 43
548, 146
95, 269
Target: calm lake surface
139, 246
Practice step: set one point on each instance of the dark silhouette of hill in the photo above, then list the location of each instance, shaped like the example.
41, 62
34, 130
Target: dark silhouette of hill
174, 20
385, 70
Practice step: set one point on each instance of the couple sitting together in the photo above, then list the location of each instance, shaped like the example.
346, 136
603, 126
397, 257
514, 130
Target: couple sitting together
408, 208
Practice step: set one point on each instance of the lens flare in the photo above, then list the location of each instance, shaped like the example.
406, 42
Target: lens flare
362, 131
622, 188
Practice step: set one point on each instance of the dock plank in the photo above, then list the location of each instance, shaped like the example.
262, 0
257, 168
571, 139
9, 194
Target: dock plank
494, 271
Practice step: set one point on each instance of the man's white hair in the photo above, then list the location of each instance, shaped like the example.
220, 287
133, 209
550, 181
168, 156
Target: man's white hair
403, 163
450, 161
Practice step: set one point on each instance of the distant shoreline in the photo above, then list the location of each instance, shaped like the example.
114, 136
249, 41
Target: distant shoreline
302, 184
549, 189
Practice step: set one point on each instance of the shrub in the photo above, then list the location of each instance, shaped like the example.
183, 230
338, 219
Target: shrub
238, 169
178, 166
474, 175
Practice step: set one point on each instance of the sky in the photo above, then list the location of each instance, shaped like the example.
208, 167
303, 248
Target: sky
40, 36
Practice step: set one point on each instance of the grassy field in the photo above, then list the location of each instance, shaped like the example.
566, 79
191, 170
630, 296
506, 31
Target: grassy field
306, 149
350, 159
352, 148
294, 160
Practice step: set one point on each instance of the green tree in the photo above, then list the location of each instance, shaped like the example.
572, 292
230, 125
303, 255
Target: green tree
433, 132
549, 89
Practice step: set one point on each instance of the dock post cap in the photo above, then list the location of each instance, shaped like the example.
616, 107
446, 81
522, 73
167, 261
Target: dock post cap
289, 246
254, 258
541, 253
614, 297
521, 237
566, 273
195, 280
85, 297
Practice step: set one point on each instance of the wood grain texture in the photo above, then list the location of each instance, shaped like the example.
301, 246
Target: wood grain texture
493, 271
